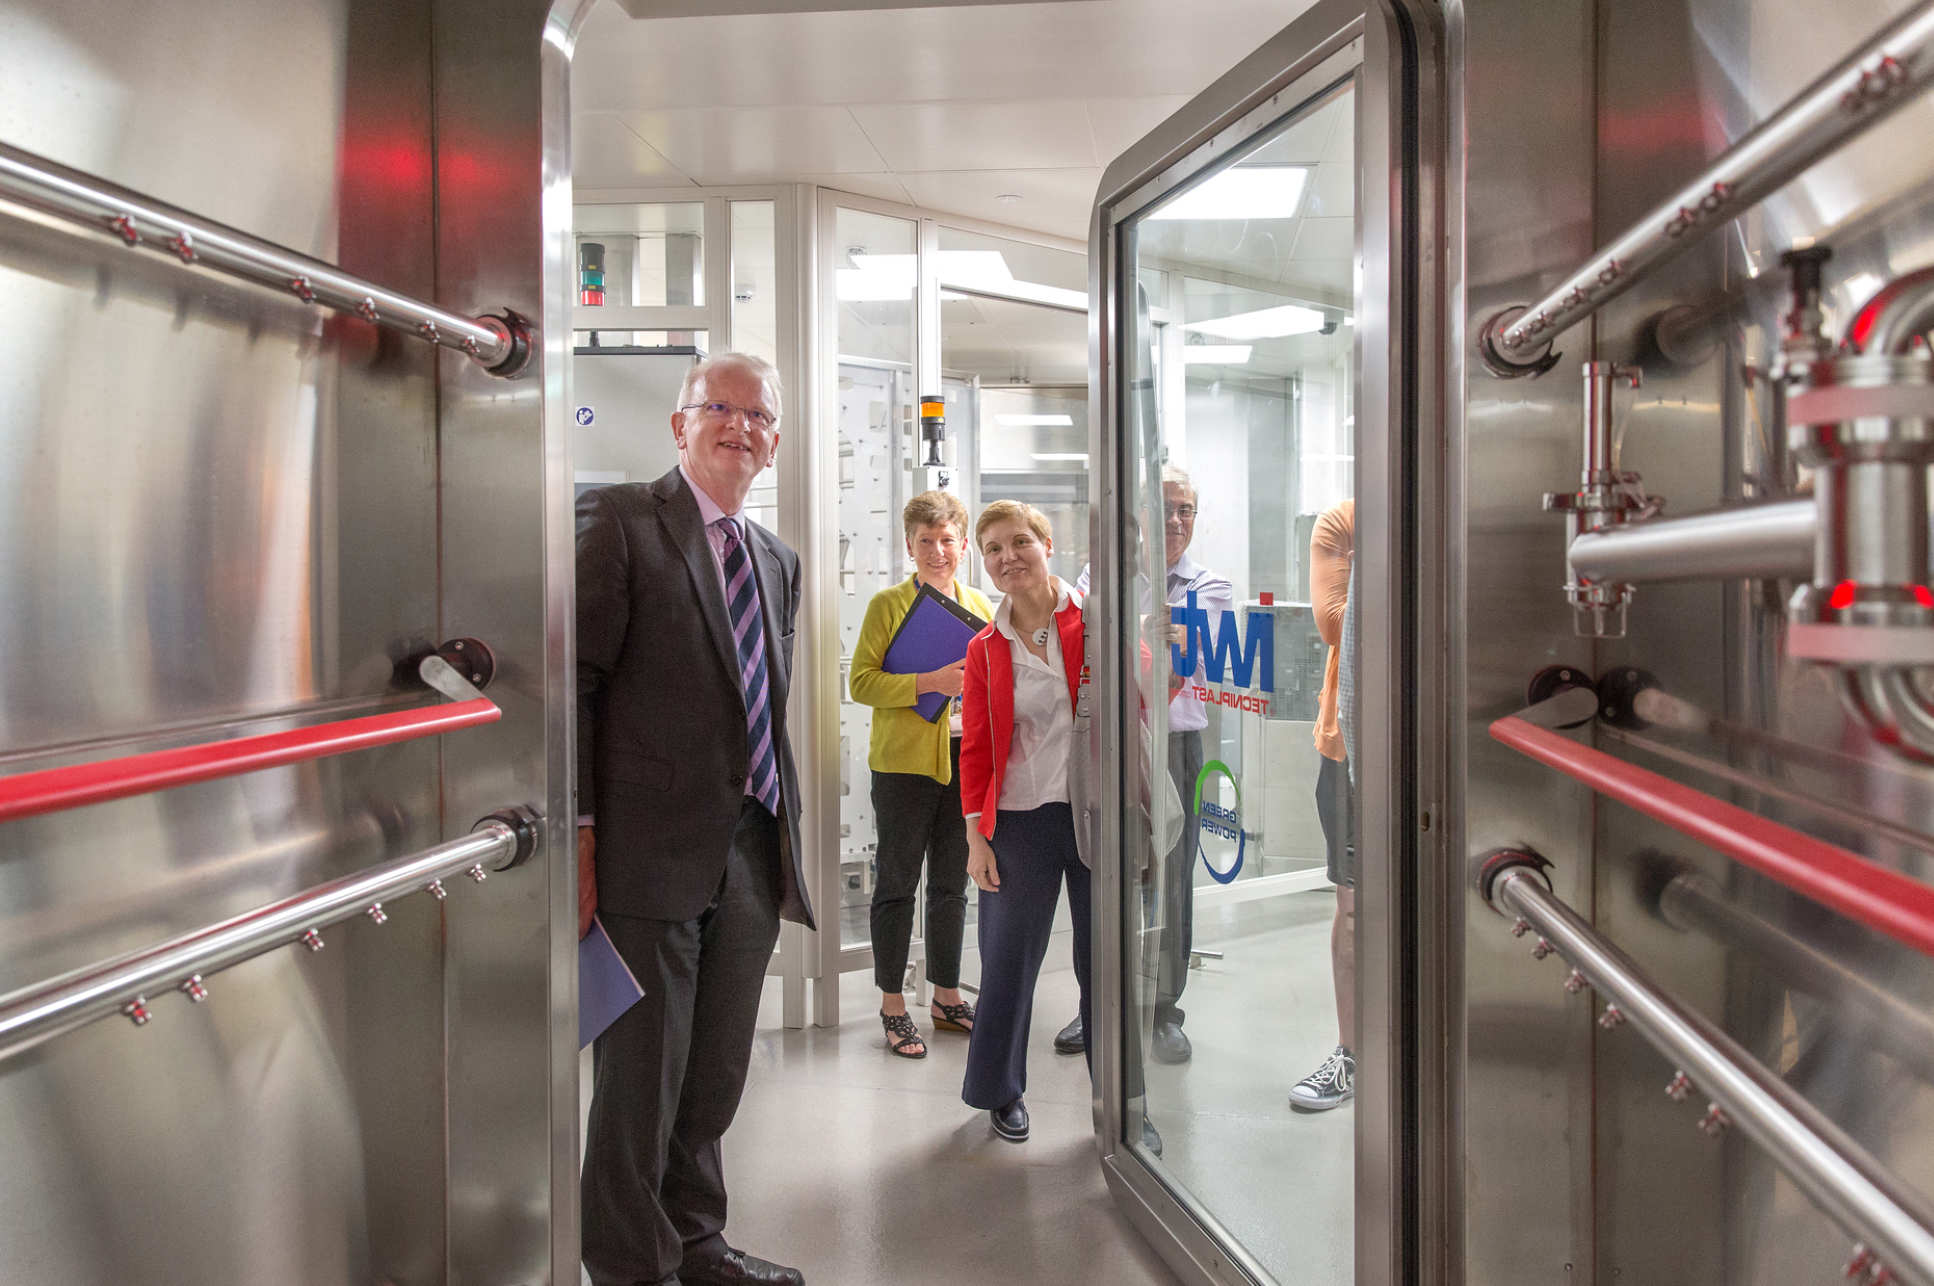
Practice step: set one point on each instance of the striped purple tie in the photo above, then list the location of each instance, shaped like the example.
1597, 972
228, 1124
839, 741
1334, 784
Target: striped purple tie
748, 634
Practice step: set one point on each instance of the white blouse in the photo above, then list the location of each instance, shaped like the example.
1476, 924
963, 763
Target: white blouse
1037, 760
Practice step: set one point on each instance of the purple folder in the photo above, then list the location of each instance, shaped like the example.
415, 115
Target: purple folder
933, 635
606, 985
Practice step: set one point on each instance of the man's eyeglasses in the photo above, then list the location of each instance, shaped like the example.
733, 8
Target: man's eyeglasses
757, 418
1185, 512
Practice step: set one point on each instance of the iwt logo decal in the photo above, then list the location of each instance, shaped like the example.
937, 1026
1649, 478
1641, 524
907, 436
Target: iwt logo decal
1218, 648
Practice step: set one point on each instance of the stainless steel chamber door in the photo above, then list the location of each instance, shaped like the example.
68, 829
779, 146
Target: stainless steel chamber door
1256, 1023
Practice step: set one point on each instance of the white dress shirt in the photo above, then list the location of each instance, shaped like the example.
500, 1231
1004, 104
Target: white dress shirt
1214, 595
1037, 759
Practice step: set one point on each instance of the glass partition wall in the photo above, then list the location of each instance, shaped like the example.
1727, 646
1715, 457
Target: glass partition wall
1254, 1064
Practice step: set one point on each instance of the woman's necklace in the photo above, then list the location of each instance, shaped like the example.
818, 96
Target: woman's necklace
1041, 637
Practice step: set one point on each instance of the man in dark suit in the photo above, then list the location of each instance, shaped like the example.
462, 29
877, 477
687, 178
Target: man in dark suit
688, 835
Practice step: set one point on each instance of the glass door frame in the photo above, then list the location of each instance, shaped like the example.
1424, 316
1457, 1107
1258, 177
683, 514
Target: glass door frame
1407, 1229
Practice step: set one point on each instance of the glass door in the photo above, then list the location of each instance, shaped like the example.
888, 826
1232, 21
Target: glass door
1252, 1052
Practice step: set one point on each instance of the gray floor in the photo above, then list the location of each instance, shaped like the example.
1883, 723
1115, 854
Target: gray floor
861, 1168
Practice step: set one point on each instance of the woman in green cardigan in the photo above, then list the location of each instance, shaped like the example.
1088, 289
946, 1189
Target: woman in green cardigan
916, 782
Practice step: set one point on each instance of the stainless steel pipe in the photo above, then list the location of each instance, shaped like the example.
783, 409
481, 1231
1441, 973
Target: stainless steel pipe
1839, 1175
1865, 88
501, 344
126, 984
1756, 540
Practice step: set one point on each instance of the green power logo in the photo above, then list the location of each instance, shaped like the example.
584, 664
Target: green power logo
1219, 829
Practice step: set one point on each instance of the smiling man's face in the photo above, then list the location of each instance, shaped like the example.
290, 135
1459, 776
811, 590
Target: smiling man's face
725, 450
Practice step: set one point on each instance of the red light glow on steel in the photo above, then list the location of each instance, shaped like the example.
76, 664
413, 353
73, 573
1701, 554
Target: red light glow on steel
1842, 596
53, 789
1923, 596
1884, 900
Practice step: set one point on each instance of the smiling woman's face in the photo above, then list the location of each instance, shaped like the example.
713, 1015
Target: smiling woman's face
936, 553
1016, 558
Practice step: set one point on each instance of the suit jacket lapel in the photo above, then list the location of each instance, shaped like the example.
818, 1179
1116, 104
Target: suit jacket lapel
766, 570
679, 512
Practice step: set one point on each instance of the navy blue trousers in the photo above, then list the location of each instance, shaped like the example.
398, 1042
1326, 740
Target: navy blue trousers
1034, 852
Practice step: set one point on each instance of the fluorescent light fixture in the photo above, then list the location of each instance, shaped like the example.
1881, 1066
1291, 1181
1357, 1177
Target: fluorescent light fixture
1036, 421
985, 271
1267, 323
1226, 354
1243, 192
1061, 455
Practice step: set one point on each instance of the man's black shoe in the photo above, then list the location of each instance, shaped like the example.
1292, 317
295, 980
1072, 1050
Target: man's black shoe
1072, 1039
1169, 1045
736, 1268
1150, 1138
1010, 1122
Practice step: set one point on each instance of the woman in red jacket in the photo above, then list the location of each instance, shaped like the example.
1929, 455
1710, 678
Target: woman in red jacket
1022, 687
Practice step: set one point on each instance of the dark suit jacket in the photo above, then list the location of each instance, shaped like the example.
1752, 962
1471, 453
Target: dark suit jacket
662, 750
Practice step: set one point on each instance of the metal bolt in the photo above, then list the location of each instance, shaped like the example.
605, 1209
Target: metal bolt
471, 346
1714, 1122
1522, 927
436, 890
1678, 1087
137, 1011
312, 940
458, 645
367, 309
184, 246
1862, 1260
1611, 1018
429, 330
193, 989
476, 678
377, 913
1575, 982
1543, 949
1880, 1275
477, 873
305, 289
124, 224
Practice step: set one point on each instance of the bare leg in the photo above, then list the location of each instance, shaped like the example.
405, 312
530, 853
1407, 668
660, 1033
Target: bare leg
1343, 965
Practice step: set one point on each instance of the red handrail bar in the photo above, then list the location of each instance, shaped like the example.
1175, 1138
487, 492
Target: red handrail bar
1860, 889
52, 790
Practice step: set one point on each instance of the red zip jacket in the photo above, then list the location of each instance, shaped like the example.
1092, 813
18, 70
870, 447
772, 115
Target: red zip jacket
987, 710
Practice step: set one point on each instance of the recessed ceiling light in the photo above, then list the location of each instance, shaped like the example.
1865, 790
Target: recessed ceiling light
1229, 354
1265, 323
1036, 421
1243, 192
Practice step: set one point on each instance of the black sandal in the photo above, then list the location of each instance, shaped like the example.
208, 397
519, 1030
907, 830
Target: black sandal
958, 1017
900, 1033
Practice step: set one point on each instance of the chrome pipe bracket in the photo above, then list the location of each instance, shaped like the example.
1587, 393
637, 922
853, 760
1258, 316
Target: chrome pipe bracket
1502, 364
527, 824
1488, 868
519, 338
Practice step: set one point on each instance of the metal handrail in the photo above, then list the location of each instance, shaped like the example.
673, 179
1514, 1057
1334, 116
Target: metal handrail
43, 1010
1865, 88
1840, 1176
1862, 890
501, 344
53, 789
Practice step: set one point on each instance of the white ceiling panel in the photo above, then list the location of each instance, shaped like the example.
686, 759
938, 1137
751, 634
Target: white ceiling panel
738, 145
1120, 123
1038, 134
606, 154
882, 187
1056, 201
1332, 191
1326, 239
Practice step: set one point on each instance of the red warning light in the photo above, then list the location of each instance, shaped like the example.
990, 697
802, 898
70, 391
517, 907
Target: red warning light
1924, 596
1268, 599
1842, 596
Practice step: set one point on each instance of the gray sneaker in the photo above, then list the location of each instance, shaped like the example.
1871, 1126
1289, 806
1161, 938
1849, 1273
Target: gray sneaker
1331, 1085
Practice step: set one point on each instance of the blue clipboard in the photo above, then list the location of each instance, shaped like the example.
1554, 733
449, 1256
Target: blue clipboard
933, 635
606, 985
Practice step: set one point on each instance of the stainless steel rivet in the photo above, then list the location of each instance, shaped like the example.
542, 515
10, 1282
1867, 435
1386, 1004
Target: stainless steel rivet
1861, 1261
458, 645
1678, 1087
184, 246
1611, 1018
1714, 1122
367, 309
429, 330
1575, 982
193, 989
137, 1011
1522, 927
312, 940
436, 890
305, 290
377, 913
1543, 949
477, 873
476, 678
124, 224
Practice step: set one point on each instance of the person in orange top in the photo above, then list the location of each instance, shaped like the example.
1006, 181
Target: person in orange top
1022, 689
1332, 545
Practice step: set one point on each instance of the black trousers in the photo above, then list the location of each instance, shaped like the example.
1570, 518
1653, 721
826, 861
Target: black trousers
669, 1073
1178, 880
918, 820
1034, 852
